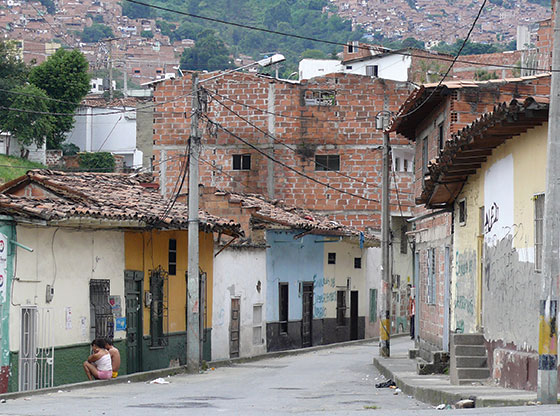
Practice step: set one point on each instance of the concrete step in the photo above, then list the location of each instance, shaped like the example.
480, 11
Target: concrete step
470, 351
473, 373
468, 339
471, 362
470, 382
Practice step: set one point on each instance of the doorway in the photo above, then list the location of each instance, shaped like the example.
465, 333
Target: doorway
234, 329
133, 283
353, 315
307, 315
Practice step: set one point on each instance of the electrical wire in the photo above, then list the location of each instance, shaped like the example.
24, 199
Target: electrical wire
298, 172
450, 66
328, 42
287, 146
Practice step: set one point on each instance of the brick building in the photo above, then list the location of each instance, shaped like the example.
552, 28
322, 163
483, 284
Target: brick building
322, 132
429, 118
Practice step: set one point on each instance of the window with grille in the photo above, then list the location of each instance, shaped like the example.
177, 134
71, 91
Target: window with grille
539, 222
172, 257
158, 307
357, 262
341, 307
431, 275
319, 97
331, 258
327, 162
283, 307
372, 70
462, 212
102, 321
241, 162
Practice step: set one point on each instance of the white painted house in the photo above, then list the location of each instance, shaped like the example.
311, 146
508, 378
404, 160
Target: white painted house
107, 128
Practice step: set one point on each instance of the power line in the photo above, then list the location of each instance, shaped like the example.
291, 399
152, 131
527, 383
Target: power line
287, 146
450, 66
288, 166
370, 48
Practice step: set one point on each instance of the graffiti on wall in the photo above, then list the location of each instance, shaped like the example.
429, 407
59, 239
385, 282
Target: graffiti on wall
465, 282
321, 299
491, 217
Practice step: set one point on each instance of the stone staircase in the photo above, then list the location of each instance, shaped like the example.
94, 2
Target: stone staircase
469, 362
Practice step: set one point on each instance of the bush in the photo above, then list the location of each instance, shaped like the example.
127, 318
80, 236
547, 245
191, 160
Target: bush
97, 162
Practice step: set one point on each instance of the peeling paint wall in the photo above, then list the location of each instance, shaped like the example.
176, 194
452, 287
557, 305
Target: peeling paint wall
239, 273
499, 202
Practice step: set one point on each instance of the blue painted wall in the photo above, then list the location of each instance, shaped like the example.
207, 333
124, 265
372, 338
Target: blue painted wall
293, 261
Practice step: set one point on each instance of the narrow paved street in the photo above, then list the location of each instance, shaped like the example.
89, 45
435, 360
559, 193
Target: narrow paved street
332, 381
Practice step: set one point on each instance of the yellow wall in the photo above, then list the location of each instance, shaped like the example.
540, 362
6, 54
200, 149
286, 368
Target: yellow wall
528, 151
146, 251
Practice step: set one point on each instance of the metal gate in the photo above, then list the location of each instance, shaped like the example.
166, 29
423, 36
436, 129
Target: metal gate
307, 315
133, 282
234, 329
36, 352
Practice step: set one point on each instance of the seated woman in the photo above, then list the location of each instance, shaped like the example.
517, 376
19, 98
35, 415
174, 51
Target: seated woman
98, 364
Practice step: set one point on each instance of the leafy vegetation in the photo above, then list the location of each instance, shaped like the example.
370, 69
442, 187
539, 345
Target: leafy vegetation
147, 34
306, 18
484, 75
63, 76
473, 48
545, 3
97, 162
209, 53
96, 32
14, 167
49, 5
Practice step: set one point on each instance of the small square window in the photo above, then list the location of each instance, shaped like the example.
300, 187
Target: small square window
331, 258
348, 66
327, 162
357, 262
241, 162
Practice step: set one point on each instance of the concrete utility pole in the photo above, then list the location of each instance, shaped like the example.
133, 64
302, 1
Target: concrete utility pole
385, 321
547, 383
193, 301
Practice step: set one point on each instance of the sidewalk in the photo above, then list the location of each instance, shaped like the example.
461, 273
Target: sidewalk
437, 389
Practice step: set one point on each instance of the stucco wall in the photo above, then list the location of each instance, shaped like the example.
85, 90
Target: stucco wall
66, 259
238, 273
505, 185
373, 281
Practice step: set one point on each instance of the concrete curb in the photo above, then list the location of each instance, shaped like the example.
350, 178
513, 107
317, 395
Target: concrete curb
164, 372
436, 396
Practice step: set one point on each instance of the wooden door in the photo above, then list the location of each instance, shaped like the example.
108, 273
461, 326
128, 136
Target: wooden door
234, 329
133, 281
354, 314
307, 317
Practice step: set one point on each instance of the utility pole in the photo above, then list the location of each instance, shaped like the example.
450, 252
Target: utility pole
385, 321
547, 382
193, 301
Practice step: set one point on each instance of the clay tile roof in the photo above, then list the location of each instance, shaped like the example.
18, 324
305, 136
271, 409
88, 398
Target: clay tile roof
428, 96
105, 196
466, 150
274, 211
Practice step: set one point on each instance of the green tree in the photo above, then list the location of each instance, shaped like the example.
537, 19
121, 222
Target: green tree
13, 73
29, 125
49, 5
136, 11
209, 53
412, 43
147, 34
314, 54
96, 32
63, 76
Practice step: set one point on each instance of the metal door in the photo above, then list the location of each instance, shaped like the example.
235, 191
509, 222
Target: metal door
234, 329
133, 296
307, 321
446, 299
36, 355
354, 314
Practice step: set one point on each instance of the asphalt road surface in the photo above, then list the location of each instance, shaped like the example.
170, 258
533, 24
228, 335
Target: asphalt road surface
334, 381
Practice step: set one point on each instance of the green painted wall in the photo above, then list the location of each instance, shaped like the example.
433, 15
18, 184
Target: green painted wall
68, 362
173, 354
7, 251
